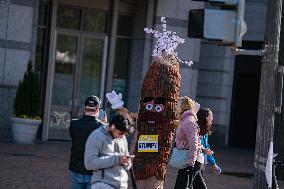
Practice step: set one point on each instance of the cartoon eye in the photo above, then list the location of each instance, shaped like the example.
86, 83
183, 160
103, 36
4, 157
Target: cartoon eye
158, 108
149, 106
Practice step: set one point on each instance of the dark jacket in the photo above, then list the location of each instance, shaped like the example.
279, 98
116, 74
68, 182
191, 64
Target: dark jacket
79, 131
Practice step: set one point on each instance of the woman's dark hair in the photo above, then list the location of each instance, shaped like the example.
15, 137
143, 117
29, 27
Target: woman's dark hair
204, 127
122, 122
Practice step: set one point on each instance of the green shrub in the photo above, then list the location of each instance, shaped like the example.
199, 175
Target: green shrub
27, 100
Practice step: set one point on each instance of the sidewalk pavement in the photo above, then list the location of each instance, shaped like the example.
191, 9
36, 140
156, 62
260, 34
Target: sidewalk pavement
45, 166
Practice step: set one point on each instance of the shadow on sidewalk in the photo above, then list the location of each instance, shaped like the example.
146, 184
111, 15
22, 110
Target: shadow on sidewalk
45, 166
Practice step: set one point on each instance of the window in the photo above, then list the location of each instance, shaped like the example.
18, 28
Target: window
90, 20
124, 25
68, 18
123, 46
95, 21
42, 43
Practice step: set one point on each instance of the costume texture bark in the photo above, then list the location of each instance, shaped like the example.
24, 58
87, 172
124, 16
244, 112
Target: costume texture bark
160, 89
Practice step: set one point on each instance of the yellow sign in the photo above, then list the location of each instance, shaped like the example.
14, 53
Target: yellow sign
148, 137
148, 143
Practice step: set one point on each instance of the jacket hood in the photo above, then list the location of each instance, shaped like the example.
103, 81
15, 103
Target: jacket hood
106, 132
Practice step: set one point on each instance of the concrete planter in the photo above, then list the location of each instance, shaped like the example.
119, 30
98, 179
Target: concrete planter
24, 130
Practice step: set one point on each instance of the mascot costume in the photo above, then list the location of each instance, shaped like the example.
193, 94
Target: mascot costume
155, 124
156, 119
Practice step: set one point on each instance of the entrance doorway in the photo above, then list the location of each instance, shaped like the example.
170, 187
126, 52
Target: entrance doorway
79, 70
244, 107
77, 64
78, 55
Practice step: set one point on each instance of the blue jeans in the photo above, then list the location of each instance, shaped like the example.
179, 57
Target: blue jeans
80, 181
101, 185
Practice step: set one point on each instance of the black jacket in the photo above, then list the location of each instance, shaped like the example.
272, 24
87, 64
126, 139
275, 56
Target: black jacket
79, 131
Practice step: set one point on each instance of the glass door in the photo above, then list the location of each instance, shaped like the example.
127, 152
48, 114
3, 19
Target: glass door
92, 69
64, 84
80, 63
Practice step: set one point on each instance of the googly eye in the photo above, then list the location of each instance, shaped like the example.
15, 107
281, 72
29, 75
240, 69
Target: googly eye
158, 108
149, 106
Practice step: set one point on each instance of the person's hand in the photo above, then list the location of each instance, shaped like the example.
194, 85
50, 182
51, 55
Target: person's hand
216, 169
123, 160
208, 151
189, 168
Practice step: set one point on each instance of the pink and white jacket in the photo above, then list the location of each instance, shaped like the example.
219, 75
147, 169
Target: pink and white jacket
187, 136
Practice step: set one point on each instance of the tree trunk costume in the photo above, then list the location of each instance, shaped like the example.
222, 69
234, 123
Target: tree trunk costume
159, 96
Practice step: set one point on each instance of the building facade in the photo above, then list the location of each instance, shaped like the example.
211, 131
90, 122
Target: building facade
94, 46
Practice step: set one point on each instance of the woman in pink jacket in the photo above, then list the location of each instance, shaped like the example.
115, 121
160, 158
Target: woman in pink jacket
187, 137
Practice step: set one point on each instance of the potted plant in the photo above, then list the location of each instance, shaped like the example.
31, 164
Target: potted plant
26, 116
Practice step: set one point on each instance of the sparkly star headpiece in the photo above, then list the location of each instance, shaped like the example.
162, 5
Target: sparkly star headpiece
167, 42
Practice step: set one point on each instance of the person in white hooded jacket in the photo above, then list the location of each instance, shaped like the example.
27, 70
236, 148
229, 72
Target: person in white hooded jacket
106, 154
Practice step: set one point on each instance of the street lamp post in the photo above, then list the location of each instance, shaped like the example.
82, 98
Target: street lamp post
266, 107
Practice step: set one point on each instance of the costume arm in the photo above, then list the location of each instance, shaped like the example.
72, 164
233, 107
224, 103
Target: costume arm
133, 142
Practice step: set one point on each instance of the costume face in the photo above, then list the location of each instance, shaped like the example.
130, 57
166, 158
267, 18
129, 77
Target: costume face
152, 111
159, 94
